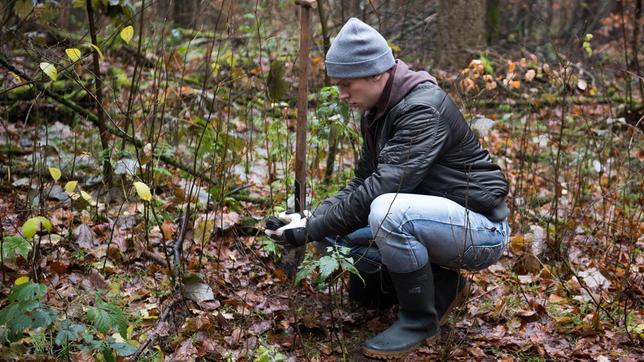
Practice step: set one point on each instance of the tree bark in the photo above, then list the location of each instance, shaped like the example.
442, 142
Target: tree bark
461, 30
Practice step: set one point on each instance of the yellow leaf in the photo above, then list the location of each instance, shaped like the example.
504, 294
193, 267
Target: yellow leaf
98, 50
71, 186
55, 173
143, 191
21, 280
127, 33
73, 53
86, 196
50, 70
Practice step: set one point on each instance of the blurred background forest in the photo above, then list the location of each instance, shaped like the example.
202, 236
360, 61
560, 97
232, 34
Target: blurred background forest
143, 144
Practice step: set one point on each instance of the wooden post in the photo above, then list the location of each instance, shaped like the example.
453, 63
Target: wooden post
292, 257
302, 104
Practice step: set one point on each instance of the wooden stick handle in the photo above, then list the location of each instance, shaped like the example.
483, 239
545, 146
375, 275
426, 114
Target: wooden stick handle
302, 105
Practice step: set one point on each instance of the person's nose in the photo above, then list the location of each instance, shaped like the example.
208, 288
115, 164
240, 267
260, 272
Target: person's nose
344, 95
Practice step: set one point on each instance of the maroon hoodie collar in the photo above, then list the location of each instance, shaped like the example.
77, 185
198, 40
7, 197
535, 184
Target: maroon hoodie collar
401, 81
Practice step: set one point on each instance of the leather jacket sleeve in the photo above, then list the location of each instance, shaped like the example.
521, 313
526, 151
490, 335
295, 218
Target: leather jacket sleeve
403, 162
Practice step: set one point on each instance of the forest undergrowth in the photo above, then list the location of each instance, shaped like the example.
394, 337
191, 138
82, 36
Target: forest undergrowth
131, 218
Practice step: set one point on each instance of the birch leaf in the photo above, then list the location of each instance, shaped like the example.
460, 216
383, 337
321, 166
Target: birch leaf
55, 173
127, 33
143, 191
71, 186
50, 70
21, 280
73, 53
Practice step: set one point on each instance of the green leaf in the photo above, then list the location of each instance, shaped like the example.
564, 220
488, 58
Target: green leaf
55, 173
127, 33
8, 313
105, 316
50, 70
73, 53
277, 86
68, 332
42, 317
14, 246
123, 349
34, 225
27, 292
304, 271
328, 265
143, 191
487, 65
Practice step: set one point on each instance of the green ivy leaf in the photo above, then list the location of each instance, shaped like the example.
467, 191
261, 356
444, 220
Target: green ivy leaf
328, 265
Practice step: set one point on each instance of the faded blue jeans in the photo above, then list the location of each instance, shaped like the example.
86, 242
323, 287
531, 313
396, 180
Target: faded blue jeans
410, 230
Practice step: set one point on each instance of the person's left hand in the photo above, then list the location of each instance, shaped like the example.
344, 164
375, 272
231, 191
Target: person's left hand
293, 233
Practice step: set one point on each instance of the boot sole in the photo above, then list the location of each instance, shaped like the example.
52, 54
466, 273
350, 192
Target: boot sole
459, 299
395, 354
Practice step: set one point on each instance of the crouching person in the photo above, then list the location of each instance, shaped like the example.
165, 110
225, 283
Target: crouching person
425, 201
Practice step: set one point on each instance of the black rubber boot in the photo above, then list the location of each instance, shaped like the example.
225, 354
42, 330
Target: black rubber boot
376, 292
452, 290
417, 318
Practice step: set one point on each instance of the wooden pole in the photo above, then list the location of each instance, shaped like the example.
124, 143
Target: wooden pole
302, 104
292, 257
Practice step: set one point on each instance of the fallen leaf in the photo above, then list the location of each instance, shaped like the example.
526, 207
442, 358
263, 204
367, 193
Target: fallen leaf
196, 290
84, 236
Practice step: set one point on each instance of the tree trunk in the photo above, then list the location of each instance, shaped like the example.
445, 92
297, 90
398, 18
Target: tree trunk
461, 31
183, 12
98, 90
492, 21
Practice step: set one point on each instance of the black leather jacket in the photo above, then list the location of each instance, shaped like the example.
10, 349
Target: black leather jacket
424, 146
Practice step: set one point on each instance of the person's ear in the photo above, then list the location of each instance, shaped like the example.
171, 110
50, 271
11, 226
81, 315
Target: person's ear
376, 77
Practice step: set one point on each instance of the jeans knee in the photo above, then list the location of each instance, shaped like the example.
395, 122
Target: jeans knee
380, 208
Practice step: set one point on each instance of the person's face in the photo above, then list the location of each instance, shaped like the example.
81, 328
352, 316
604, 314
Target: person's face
362, 93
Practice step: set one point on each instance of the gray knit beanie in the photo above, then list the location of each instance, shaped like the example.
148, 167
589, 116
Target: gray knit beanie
358, 51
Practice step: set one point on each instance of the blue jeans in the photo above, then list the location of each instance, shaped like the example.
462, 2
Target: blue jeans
407, 231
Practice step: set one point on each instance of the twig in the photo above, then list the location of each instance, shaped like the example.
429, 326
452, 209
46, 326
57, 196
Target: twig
113, 130
152, 338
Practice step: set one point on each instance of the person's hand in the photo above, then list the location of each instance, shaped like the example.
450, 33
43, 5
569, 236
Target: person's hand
293, 233
289, 216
